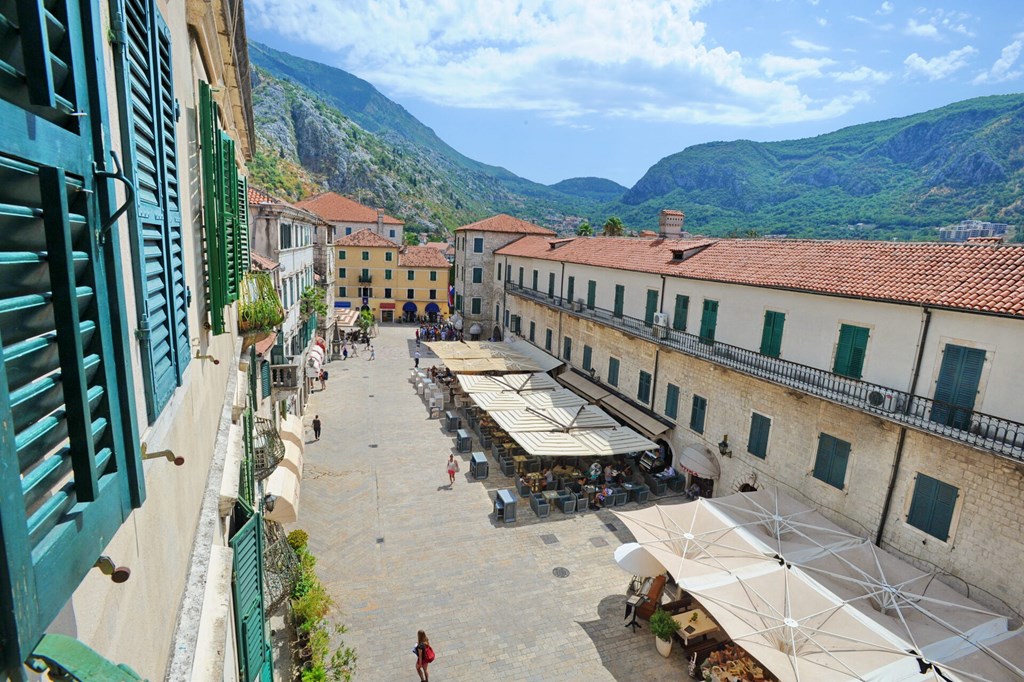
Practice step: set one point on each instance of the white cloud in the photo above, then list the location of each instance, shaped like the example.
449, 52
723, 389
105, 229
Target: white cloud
546, 56
885, 8
939, 67
822, 21
861, 74
807, 45
926, 30
1003, 69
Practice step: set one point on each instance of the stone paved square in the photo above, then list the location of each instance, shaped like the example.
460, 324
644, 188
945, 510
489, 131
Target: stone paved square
400, 550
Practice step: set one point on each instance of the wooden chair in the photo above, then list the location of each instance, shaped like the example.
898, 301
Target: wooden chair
653, 598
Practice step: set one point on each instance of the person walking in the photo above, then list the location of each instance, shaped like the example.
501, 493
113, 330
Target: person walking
373, 353
316, 427
424, 655
416, 358
344, 352
417, 338
453, 466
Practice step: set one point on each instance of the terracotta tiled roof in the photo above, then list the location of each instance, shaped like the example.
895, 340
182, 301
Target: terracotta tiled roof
980, 277
266, 344
440, 246
422, 257
338, 209
505, 223
262, 262
258, 196
365, 238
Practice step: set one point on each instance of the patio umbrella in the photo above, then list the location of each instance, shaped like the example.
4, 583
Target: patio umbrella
635, 560
543, 400
555, 419
583, 443
514, 383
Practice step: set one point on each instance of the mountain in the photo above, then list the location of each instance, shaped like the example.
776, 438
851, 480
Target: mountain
875, 180
598, 189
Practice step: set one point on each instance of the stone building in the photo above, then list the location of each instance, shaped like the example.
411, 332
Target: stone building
349, 217
875, 381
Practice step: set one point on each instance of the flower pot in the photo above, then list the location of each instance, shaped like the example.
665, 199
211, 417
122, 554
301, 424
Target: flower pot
664, 646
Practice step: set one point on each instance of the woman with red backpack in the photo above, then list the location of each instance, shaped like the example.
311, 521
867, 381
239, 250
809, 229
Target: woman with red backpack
424, 656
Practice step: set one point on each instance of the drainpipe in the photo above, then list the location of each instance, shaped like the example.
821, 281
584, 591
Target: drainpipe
902, 439
657, 350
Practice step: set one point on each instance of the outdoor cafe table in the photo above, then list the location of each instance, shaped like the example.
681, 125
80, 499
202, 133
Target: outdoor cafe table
550, 496
691, 628
519, 460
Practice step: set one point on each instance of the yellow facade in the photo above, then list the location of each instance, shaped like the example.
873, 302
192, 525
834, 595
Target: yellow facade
373, 276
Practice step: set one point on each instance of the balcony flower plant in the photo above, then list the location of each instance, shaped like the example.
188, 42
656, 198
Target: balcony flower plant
259, 307
663, 626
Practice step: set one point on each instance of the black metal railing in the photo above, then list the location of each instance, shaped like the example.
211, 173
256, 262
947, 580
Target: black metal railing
365, 279
983, 431
268, 448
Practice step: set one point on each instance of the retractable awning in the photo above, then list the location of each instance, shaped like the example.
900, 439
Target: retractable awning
588, 389
638, 419
695, 459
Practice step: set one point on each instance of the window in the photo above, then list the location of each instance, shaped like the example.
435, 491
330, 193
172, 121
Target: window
850, 351
771, 335
757, 442
591, 294
342, 292
342, 254
551, 285
535, 280
567, 348
643, 389
620, 297
613, 371
517, 324
410, 293
478, 245
547, 340
286, 236
458, 302
364, 275
387, 293
652, 306
348, 230
389, 256
366, 255
391, 233
588, 356
533, 328
433, 275
671, 401
497, 313
508, 273
474, 306
410, 275
682, 310
708, 320
520, 278
498, 272
432, 294
697, 413
570, 289
387, 274
366, 292
478, 275
830, 462
931, 508
957, 385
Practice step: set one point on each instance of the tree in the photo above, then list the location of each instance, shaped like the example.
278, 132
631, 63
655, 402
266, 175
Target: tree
412, 238
613, 227
313, 300
585, 230
365, 321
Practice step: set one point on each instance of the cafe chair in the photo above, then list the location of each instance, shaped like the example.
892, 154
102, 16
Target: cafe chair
677, 483
566, 502
621, 496
540, 506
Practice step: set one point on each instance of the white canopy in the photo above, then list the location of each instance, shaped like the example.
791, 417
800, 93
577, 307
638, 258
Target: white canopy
514, 383
492, 356
555, 419
601, 443
545, 400
696, 460
636, 560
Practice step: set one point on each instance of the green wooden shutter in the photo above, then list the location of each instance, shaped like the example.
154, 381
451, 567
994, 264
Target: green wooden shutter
247, 591
567, 349
244, 255
591, 294
831, 460
216, 258
757, 442
652, 306
697, 413
228, 208
620, 295
551, 285
682, 310
535, 274
643, 391
850, 351
931, 508
246, 473
672, 401
71, 471
957, 385
771, 335
570, 289
613, 371
588, 354
708, 320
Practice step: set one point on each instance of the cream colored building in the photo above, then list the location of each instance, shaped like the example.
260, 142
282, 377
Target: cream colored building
873, 380
348, 217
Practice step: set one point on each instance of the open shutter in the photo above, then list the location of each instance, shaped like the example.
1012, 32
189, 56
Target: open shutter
957, 385
209, 143
708, 320
247, 591
70, 472
265, 379
771, 335
228, 209
681, 311
850, 351
244, 259
652, 306
247, 479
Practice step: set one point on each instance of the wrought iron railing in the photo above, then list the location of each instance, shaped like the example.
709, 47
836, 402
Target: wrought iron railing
268, 448
280, 565
983, 431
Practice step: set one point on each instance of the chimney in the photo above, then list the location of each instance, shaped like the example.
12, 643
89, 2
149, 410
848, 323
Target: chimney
380, 221
423, 238
670, 223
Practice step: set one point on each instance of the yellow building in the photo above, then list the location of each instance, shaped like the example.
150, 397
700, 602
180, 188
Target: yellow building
374, 273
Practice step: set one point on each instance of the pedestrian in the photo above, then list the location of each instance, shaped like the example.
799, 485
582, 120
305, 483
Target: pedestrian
417, 338
323, 380
424, 655
373, 353
417, 359
344, 352
453, 467
316, 427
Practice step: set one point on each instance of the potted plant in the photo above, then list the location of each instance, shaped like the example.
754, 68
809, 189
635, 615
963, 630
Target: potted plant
663, 626
259, 308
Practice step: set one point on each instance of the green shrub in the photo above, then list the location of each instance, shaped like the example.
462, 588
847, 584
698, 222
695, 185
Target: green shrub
298, 539
663, 625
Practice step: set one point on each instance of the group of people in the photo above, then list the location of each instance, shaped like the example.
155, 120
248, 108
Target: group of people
440, 331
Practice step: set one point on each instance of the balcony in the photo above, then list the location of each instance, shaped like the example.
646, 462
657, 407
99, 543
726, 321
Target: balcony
982, 431
268, 449
366, 279
285, 377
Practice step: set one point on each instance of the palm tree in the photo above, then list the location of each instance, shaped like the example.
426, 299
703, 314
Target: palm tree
585, 230
613, 227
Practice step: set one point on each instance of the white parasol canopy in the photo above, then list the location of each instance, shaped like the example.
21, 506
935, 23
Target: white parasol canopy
514, 383
538, 400
555, 419
601, 443
636, 560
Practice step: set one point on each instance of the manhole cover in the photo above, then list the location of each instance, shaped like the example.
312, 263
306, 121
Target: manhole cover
373, 445
380, 541
598, 542
611, 527
561, 572
549, 539
370, 396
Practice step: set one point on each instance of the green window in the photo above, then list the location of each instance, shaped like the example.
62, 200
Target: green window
364, 275
497, 271
474, 306
643, 391
366, 255
570, 289
388, 256
620, 296
247, 589
387, 293
409, 294
831, 460
535, 280
508, 273
551, 285
458, 301
957, 386
931, 508
265, 379
771, 335
478, 245
613, 371
71, 473
697, 413
708, 320
478, 275
341, 254
342, 292
671, 401
588, 356
433, 275
342, 273
547, 340
387, 274
146, 102
520, 278
652, 306
591, 294
533, 329
681, 311
411, 275
567, 349
757, 441
850, 351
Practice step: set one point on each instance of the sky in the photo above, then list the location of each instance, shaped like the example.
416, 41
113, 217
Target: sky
553, 89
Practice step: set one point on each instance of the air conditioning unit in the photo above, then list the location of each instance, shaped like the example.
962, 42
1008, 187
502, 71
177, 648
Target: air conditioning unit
885, 401
578, 307
661, 319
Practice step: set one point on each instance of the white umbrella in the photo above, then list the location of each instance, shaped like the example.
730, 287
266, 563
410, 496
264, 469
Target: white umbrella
635, 560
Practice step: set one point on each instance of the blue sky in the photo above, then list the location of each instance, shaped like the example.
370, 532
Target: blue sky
552, 89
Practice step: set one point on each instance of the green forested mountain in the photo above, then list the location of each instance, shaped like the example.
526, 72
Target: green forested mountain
319, 127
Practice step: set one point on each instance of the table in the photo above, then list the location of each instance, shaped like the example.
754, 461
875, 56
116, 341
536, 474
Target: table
631, 606
691, 629
550, 496
519, 460
505, 503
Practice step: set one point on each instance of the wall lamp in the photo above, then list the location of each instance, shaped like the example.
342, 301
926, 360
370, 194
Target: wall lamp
269, 501
723, 447
118, 574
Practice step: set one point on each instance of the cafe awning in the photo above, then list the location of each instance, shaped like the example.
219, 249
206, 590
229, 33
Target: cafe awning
291, 430
292, 457
283, 484
544, 360
490, 356
583, 443
633, 416
585, 417
510, 383
694, 458
590, 390
493, 402
409, 307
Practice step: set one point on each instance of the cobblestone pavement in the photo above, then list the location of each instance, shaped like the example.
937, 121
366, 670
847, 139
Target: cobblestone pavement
400, 550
